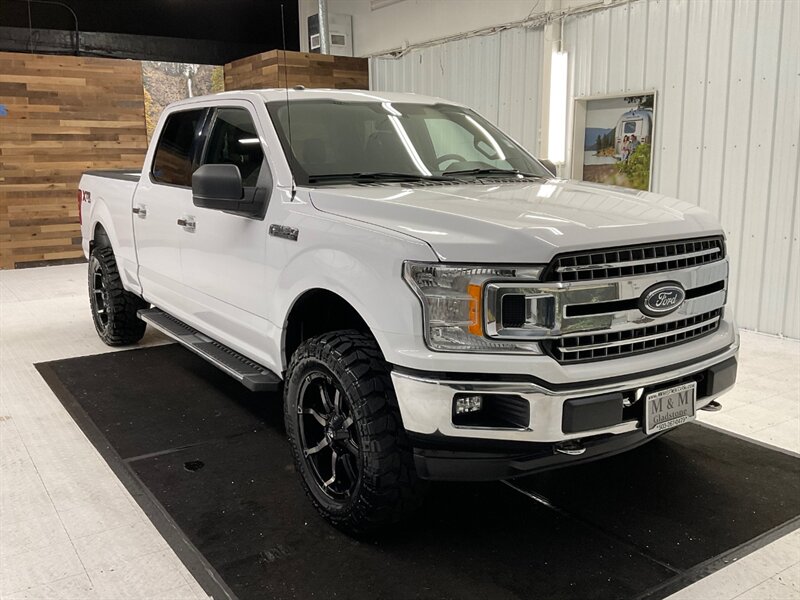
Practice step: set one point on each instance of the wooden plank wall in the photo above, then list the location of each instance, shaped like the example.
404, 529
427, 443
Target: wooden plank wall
279, 69
64, 115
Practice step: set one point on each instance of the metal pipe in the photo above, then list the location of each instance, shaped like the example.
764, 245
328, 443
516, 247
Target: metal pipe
74, 18
324, 34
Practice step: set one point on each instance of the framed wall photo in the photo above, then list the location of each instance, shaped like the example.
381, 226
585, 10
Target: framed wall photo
613, 140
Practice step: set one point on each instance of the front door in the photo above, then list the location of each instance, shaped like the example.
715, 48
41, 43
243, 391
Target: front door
162, 196
223, 256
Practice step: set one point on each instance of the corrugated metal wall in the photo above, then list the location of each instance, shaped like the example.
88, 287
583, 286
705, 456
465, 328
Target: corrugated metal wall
727, 74
728, 115
497, 75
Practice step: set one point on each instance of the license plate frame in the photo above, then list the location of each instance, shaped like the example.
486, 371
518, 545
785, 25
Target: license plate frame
669, 407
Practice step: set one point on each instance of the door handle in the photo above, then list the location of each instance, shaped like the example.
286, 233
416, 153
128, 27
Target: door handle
187, 223
140, 210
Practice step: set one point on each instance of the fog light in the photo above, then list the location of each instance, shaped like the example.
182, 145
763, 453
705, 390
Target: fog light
468, 404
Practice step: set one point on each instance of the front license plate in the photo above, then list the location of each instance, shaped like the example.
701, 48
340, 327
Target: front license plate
669, 408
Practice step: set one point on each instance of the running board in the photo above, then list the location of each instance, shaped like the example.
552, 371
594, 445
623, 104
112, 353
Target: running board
252, 375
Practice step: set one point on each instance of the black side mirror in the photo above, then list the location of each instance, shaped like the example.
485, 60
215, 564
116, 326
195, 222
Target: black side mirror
548, 164
217, 186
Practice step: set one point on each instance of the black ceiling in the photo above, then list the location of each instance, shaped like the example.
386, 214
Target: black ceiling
240, 23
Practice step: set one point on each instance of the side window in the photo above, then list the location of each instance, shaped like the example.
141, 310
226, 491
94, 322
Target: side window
234, 141
172, 163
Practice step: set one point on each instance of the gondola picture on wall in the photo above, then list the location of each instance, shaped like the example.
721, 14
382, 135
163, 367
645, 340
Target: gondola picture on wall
618, 138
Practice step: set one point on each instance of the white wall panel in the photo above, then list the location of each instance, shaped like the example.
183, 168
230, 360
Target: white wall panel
693, 114
413, 22
782, 217
617, 53
715, 117
738, 126
728, 125
764, 94
638, 36
498, 75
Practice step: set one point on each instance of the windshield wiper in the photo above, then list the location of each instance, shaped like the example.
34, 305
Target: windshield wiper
487, 171
374, 176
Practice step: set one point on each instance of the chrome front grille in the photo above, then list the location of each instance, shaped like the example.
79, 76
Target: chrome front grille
616, 344
628, 261
592, 305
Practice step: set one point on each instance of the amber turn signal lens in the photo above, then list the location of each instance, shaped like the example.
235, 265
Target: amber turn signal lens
475, 309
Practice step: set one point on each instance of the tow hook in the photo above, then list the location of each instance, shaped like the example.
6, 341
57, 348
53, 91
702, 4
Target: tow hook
712, 406
571, 447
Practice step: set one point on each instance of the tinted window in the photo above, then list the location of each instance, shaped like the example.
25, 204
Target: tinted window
173, 160
234, 141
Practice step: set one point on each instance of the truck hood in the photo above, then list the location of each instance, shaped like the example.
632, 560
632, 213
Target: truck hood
523, 222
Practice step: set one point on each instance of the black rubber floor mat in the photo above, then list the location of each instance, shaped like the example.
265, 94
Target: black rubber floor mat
200, 452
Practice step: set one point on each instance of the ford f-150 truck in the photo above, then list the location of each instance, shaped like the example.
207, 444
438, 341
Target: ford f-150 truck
432, 301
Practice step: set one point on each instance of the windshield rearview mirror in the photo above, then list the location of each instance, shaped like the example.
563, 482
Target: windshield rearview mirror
485, 148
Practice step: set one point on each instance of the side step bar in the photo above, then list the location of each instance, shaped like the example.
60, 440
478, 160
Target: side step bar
253, 376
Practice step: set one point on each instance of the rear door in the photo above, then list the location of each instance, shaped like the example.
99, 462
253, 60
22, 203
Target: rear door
162, 197
223, 257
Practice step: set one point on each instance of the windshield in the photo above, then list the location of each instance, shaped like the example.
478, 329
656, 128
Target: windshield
332, 142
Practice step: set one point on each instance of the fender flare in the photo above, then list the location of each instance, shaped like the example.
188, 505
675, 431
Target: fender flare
305, 293
100, 237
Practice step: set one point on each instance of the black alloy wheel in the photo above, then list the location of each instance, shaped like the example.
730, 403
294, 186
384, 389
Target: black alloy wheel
328, 437
114, 309
346, 433
99, 296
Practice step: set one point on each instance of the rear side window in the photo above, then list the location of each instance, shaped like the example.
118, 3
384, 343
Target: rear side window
234, 141
173, 159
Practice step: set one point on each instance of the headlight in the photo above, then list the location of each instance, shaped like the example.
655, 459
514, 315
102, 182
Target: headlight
452, 299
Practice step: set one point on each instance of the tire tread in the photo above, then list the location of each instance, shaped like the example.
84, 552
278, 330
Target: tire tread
124, 326
390, 487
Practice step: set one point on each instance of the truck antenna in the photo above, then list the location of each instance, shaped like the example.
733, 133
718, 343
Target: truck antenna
286, 86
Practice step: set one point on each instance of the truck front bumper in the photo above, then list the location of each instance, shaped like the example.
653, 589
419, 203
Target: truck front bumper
558, 414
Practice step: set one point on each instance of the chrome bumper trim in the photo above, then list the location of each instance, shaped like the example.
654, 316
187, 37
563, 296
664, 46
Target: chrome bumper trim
426, 403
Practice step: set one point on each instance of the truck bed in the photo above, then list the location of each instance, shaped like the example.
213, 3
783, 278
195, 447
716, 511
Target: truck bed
121, 174
107, 200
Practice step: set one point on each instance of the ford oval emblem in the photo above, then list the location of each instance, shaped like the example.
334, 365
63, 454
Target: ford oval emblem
662, 298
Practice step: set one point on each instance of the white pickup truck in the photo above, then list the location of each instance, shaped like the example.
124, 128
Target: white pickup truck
433, 302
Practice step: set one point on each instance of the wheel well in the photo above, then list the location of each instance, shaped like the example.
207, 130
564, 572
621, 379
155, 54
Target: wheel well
316, 312
100, 238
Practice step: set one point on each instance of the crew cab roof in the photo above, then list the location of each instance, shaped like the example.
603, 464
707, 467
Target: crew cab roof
280, 94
